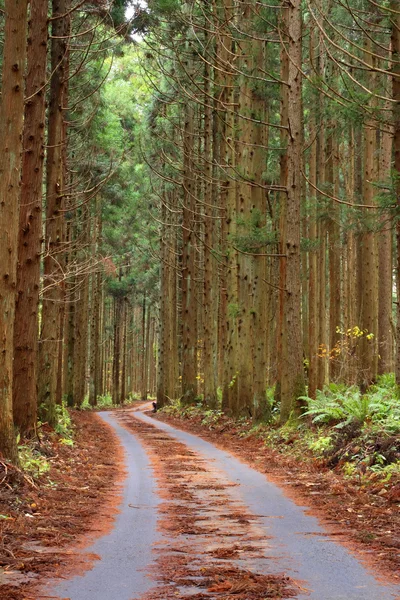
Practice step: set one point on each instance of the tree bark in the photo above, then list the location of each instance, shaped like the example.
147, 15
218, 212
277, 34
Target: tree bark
143, 386
396, 147
281, 342
292, 376
209, 291
11, 124
116, 379
369, 255
335, 297
189, 306
313, 321
123, 348
55, 185
385, 261
25, 367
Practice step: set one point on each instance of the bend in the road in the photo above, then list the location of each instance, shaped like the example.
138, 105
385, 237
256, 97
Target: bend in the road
302, 547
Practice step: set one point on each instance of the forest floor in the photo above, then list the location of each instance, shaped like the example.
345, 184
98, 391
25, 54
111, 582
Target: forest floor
45, 520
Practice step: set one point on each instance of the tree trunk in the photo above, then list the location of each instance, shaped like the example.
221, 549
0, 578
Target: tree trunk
396, 146
95, 312
228, 201
143, 386
335, 298
123, 348
351, 302
385, 260
82, 313
70, 364
283, 178
11, 124
261, 295
147, 357
313, 321
165, 306
55, 186
292, 376
369, 255
117, 352
323, 341
189, 306
209, 291
30, 227
245, 217
219, 188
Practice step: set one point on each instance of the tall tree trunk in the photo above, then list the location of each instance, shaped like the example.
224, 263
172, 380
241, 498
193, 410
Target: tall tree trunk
283, 179
97, 340
189, 305
152, 375
292, 376
173, 390
95, 312
313, 322
30, 227
385, 260
81, 341
322, 231
147, 357
143, 387
100, 363
335, 297
11, 124
209, 290
395, 17
116, 351
369, 305
93, 337
70, 364
55, 186
123, 348
165, 306
82, 314
219, 187
352, 257
228, 201
261, 295
245, 216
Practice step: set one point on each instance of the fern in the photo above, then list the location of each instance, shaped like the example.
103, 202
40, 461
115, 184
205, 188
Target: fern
336, 404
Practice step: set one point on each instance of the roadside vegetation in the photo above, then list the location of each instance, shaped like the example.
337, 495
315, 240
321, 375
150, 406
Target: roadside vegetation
355, 433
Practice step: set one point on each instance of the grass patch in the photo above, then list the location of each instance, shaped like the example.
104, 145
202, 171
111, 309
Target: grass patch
32, 461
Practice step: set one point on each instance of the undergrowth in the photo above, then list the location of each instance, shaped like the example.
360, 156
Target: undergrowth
339, 405
32, 460
102, 402
34, 453
358, 434
105, 402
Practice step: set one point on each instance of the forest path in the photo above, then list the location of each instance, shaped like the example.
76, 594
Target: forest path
224, 530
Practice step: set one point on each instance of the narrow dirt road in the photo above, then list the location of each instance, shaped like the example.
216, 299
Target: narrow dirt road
197, 523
